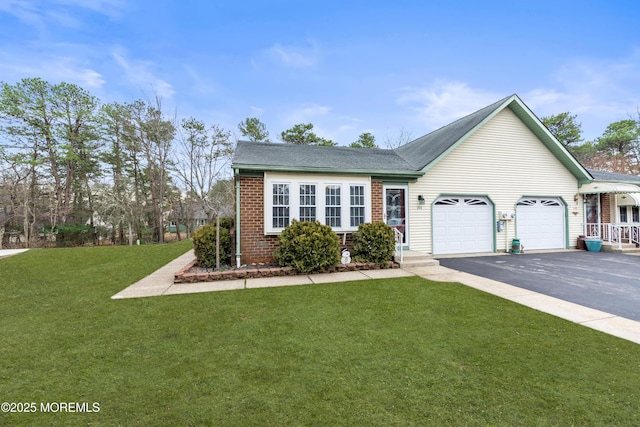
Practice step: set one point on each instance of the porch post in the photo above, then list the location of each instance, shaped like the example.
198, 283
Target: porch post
599, 218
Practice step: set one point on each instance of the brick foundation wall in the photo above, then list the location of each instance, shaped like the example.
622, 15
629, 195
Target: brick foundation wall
255, 246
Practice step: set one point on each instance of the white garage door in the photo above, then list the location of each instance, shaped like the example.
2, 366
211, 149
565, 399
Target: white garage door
540, 223
462, 225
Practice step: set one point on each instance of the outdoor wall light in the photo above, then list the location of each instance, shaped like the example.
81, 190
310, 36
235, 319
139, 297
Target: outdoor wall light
421, 200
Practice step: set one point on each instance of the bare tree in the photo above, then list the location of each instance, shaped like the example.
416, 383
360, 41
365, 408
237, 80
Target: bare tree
402, 138
202, 165
155, 134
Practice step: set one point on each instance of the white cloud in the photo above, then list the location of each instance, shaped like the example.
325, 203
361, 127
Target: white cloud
51, 68
199, 84
599, 92
307, 113
26, 11
110, 8
294, 57
139, 73
257, 110
445, 101
39, 14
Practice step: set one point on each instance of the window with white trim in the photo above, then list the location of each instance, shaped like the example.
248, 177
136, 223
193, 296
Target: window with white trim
635, 214
340, 202
357, 206
333, 206
623, 214
307, 202
280, 207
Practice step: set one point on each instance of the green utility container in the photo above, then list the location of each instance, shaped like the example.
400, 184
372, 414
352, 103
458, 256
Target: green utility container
515, 246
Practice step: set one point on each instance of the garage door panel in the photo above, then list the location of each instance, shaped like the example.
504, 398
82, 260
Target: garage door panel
540, 223
462, 225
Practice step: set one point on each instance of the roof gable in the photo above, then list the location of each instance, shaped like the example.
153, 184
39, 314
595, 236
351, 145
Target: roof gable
428, 150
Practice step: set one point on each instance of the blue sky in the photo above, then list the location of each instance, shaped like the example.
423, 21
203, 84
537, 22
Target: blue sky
348, 67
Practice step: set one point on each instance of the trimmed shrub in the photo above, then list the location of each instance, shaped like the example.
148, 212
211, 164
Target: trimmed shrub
204, 245
308, 247
373, 242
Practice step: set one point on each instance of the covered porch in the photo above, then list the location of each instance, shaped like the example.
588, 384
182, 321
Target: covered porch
612, 213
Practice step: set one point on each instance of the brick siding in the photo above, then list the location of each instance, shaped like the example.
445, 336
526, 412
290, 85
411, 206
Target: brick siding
255, 246
605, 208
377, 199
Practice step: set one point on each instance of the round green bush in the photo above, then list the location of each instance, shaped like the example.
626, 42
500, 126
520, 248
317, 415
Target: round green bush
307, 247
204, 245
373, 242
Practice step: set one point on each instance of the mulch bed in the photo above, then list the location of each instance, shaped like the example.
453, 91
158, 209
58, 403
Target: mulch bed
191, 273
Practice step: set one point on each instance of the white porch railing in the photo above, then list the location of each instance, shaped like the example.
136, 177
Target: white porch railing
614, 233
399, 239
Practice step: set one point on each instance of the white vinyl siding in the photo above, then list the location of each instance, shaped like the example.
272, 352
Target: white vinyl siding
503, 160
342, 202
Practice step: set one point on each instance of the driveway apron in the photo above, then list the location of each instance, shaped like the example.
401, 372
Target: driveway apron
603, 281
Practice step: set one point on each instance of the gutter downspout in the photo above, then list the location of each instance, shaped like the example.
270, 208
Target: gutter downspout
238, 254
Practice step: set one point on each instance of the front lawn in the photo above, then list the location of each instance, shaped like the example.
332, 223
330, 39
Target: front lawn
382, 352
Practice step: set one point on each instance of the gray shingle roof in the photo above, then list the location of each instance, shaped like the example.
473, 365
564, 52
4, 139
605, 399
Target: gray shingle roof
612, 176
269, 156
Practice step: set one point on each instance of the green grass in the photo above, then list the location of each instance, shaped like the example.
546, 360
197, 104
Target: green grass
377, 353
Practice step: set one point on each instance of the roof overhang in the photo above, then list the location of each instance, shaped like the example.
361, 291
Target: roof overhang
628, 199
408, 176
609, 187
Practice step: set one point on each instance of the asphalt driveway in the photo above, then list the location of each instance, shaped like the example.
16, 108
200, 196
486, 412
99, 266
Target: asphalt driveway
599, 280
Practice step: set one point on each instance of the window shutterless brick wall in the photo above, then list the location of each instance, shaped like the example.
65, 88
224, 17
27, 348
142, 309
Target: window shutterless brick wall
376, 201
255, 246
605, 207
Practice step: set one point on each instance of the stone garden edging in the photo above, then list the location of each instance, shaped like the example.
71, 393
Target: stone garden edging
264, 270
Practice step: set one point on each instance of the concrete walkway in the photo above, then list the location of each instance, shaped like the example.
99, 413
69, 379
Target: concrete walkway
9, 252
161, 283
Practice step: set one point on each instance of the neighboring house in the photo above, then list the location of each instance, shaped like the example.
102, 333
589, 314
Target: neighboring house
197, 220
612, 207
447, 192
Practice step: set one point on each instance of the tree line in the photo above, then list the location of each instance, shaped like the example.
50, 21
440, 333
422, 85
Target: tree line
616, 150
71, 165
122, 171
116, 170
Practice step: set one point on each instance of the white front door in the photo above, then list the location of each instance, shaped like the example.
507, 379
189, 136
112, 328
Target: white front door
540, 223
462, 224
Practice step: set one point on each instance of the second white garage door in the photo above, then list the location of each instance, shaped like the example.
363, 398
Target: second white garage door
540, 223
462, 225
